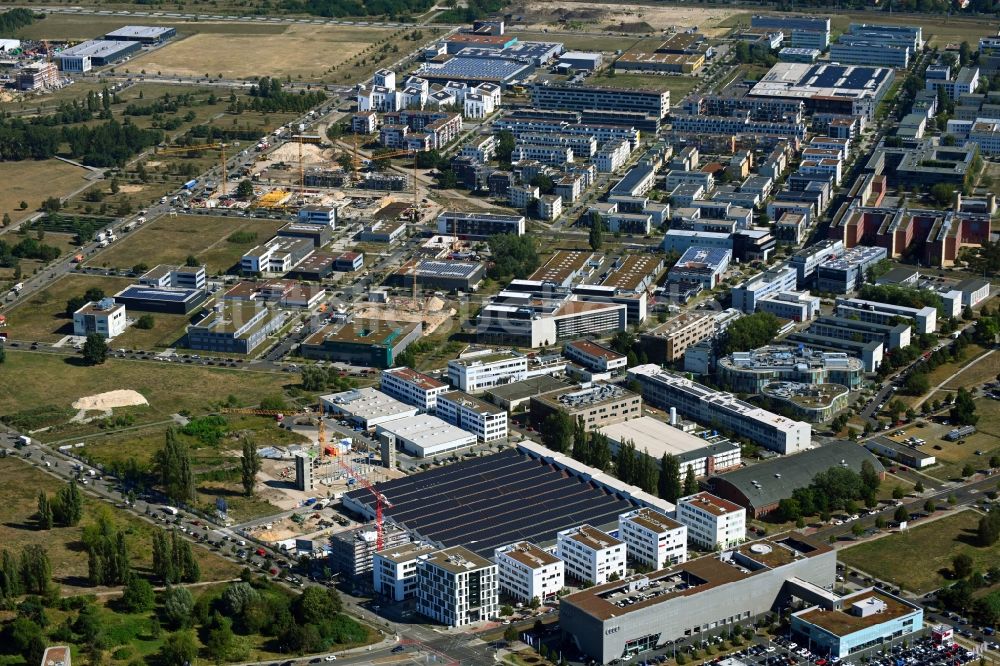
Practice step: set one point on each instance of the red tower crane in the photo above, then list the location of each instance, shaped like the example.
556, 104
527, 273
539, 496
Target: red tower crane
380, 500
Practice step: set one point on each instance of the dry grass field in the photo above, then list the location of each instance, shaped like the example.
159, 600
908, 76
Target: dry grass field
612, 16
42, 316
169, 240
299, 50
34, 181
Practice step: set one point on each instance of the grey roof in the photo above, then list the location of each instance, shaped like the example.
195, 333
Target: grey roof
528, 387
779, 477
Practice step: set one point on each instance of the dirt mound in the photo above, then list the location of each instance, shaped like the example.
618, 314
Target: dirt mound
110, 400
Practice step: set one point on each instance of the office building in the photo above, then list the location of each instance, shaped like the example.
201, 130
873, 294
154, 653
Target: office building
168, 300
653, 539
713, 593
667, 342
723, 410
278, 255
237, 327
856, 51
374, 343
923, 320
567, 97
813, 403
456, 587
595, 356
590, 555
750, 371
793, 305
966, 82
807, 260
423, 435
413, 388
847, 272
527, 572
365, 407
703, 454
839, 627
479, 225
478, 371
770, 282
712, 522
488, 423
827, 88
812, 32
704, 266
180, 277
104, 317
322, 215
394, 570
891, 336
352, 552
903, 453
595, 405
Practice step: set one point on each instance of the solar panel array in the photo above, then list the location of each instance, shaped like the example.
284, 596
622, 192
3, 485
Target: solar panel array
172, 294
495, 500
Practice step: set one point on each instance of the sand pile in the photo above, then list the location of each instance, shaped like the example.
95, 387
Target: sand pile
110, 400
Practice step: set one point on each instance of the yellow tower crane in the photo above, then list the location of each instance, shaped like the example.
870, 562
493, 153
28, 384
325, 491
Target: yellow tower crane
205, 146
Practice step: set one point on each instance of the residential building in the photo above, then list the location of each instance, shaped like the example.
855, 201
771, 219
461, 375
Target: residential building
527, 572
594, 405
394, 570
590, 555
667, 342
456, 587
479, 371
237, 327
487, 422
711, 521
653, 539
612, 156
412, 387
595, 356
827, 87
103, 317
723, 410
584, 98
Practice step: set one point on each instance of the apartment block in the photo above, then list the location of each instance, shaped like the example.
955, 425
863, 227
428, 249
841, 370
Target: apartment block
711, 521
412, 387
585, 98
652, 538
526, 572
591, 555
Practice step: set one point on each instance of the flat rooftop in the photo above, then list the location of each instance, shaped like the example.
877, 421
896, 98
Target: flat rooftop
680, 322
653, 520
426, 431
658, 438
472, 402
478, 359
530, 555
805, 81
418, 379
458, 560
367, 403
591, 538
573, 398
163, 294
362, 331
439, 268
139, 32
709, 503
96, 48
636, 271
406, 552
527, 388
481, 502
594, 349
841, 623
561, 266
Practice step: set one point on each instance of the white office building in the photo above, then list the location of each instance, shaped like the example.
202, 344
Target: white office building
591, 555
424, 435
104, 317
526, 571
413, 388
711, 521
456, 587
653, 539
487, 422
479, 371
768, 283
394, 570
365, 407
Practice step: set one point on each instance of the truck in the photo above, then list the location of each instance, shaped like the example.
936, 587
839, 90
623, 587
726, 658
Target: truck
24, 440
17, 288
190, 185
100, 236
77, 258
170, 510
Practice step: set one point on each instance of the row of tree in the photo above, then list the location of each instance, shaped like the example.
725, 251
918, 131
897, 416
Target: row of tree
64, 510
28, 248
173, 559
105, 145
15, 19
267, 96
28, 573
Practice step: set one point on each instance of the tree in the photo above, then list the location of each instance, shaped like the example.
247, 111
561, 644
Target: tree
596, 231
930, 506
917, 383
513, 256
3, 354
897, 493
557, 431
249, 467
45, 520
192, 261
179, 649
244, 190
690, 485
869, 477
95, 349
967, 471
961, 565
919, 487
67, 506
221, 640
145, 322
315, 605
138, 596
750, 332
177, 606
505, 146
670, 478
988, 530
963, 412
534, 603
857, 529
510, 633
237, 598
174, 466
901, 515
35, 569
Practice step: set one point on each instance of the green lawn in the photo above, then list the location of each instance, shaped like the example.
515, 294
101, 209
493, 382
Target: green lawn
31, 381
918, 559
43, 317
679, 86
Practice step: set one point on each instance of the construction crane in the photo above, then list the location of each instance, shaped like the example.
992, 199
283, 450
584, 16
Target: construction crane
380, 501
205, 146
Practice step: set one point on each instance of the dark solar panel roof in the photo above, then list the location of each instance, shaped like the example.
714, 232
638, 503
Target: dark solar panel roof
834, 76
176, 295
495, 500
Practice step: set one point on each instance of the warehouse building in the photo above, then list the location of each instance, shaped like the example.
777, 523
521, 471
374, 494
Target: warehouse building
711, 593
365, 407
700, 403
590, 555
237, 327
840, 626
527, 572
443, 274
94, 53
704, 455
759, 488
910, 456
595, 405
749, 372
653, 539
161, 299
667, 342
487, 422
457, 587
579, 60
145, 34
480, 502
413, 388
373, 343
423, 435
474, 71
